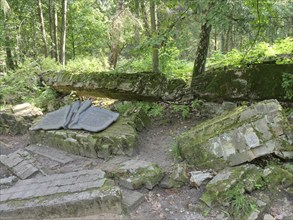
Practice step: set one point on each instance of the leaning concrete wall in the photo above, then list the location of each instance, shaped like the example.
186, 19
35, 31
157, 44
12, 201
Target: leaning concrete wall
256, 82
235, 137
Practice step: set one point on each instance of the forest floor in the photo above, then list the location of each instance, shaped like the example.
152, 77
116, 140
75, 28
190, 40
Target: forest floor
154, 145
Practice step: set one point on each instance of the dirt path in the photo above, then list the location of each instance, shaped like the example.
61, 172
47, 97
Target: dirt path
154, 145
156, 141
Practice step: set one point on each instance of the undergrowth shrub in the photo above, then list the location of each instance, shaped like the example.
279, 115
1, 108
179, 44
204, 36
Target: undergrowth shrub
87, 64
287, 85
24, 85
261, 50
151, 109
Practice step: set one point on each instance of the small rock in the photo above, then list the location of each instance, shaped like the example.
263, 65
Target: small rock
26, 110
228, 105
177, 178
268, 217
193, 207
253, 215
289, 217
8, 181
198, 177
132, 200
261, 203
221, 216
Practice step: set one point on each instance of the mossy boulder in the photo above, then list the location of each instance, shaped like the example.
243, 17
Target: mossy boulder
144, 86
237, 136
254, 82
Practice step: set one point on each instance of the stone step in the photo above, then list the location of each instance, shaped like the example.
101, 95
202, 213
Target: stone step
73, 194
51, 153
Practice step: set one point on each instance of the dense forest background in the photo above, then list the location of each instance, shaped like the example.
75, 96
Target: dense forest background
180, 38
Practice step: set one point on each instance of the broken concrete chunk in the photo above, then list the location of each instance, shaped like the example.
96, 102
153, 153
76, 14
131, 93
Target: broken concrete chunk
177, 178
199, 177
268, 217
8, 181
19, 164
238, 136
134, 174
132, 200
26, 110
224, 181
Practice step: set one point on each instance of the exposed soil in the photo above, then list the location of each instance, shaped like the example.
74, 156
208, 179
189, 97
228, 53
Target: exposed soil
154, 145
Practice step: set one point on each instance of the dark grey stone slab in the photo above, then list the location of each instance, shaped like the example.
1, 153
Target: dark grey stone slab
77, 116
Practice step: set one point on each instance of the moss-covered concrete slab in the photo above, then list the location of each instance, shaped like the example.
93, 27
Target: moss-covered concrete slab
238, 136
255, 82
118, 139
124, 86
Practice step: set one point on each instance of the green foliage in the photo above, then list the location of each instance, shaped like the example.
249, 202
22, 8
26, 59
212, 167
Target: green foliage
17, 86
255, 55
87, 64
196, 104
288, 166
170, 64
287, 84
175, 150
24, 85
46, 98
151, 109
173, 66
239, 204
183, 110
49, 64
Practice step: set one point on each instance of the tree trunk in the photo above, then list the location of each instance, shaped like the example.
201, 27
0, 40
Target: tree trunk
215, 41
63, 32
55, 30
116, 34
9, 57
145, 19
223, 42
228, 39
202, 52
51, 29
43, 30
137, 37
155, 49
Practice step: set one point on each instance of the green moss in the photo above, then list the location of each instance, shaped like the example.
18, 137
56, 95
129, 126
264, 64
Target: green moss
275, 176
